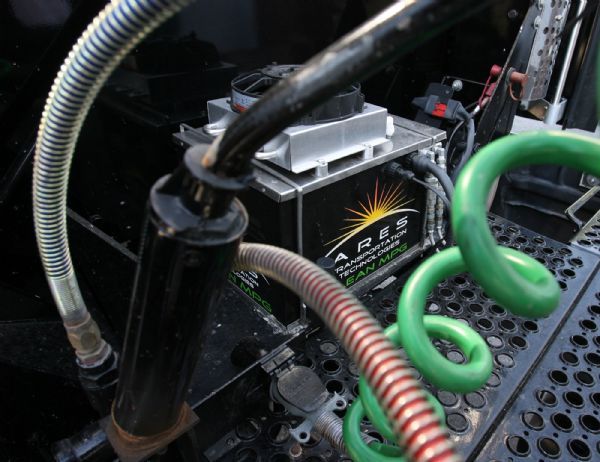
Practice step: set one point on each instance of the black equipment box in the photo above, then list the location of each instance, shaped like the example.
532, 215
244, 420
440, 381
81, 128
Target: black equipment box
353, 221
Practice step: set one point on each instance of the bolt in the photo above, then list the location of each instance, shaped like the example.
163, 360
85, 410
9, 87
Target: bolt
591, 180
295, 451
457, 85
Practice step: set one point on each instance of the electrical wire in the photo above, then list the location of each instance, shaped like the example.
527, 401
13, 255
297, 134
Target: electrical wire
461, 124
437, 192
458, 126
422, 164
447, 205
453, 77
466, 154
469, 121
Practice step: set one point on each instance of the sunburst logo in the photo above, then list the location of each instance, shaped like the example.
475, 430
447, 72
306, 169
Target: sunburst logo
384, 202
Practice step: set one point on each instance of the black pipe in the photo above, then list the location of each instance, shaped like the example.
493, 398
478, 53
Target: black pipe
183, 267
361, 53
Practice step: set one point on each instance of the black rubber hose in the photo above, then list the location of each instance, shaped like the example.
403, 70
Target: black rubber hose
466, 155
436, 191
395, 170
422, 164
395, 31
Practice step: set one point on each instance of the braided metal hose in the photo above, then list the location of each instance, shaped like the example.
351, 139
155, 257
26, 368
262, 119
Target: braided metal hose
416, 425
119, 27
439, 206
331, 427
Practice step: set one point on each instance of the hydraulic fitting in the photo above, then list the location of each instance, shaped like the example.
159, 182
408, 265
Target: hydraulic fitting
86, 339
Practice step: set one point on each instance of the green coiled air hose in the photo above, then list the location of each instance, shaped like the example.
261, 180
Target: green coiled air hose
516, 281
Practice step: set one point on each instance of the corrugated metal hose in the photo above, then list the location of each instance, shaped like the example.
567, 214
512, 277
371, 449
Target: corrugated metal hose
120, 26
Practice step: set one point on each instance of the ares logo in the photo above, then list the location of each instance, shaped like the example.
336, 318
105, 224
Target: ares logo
384, 203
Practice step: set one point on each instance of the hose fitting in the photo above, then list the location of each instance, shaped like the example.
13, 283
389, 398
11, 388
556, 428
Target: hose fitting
331, 427
86, 339
113, 33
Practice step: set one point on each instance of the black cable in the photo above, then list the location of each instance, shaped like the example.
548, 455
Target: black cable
393, 32
395, 170
458, 126
422, 164
435, 190
453, 77
470, 106
466, 155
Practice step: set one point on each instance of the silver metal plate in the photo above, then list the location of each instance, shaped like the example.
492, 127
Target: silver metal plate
404, 141
306, 147
548, 24
281, 185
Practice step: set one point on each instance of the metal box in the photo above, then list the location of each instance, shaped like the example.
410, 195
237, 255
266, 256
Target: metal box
354, 221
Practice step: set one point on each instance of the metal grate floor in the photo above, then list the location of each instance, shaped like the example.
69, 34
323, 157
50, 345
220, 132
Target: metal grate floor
488, 424
589, 236
556, 414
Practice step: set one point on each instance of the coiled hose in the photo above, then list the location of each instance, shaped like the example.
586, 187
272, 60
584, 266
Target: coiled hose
516, 281
114, 32
416, 425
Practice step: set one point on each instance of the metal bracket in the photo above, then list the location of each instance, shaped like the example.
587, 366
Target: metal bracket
544, 110
573, 208
278, 362
300, 390
302, 432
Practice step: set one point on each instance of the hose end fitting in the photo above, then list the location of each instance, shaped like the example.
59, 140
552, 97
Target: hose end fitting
395, 170
86, 339
420, 163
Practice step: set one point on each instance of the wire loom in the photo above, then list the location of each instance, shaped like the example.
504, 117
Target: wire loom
518, 282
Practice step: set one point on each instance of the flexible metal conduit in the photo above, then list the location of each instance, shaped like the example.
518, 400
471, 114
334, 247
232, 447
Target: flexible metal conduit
415, 423
114, 32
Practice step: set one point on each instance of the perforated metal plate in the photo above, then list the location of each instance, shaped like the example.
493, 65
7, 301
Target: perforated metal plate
552, 16
556, 415
517, 347
588, 237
